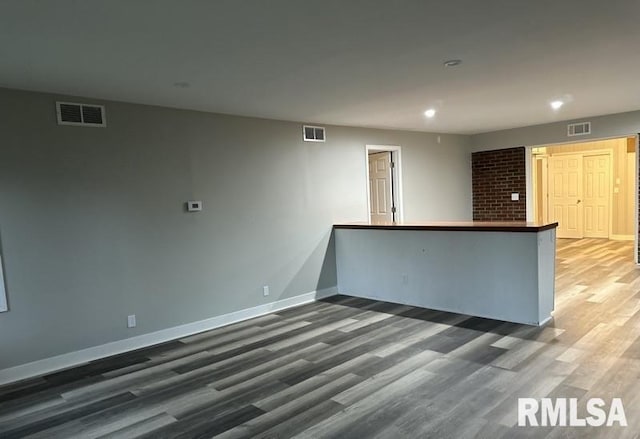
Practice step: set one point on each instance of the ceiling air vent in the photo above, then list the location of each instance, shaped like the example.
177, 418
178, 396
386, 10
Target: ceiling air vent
80, 114
578, 129
313, 134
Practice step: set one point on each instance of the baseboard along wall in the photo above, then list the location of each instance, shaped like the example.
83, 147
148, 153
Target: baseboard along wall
76, 358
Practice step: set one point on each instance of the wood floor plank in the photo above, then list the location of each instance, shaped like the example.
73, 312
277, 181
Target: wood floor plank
351, 367
62, 418
127, 414
383, 379
141, 428
282, 413
336, 425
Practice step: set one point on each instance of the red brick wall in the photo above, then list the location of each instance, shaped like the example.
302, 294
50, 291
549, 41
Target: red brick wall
495, 176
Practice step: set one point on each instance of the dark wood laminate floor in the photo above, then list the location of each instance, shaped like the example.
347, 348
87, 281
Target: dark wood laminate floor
354, 368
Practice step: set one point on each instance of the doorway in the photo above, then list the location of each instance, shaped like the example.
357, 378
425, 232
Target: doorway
384, 191
589, 188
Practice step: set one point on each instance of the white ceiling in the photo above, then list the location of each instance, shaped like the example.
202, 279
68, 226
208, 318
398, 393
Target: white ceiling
374, 63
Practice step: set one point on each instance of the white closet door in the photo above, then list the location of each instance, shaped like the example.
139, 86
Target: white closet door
596, 196
565, 195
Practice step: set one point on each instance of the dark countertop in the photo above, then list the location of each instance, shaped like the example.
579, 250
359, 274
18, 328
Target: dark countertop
464, 226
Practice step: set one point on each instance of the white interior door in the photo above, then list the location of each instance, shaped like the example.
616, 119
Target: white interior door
380, 190
596, 191
565, 195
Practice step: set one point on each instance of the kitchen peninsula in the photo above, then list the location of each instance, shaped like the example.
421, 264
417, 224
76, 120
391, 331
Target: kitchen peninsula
497, 270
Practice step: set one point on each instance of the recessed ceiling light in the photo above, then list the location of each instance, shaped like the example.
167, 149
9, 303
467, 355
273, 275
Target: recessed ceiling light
430, 112
181, 84
556, 105
452, 62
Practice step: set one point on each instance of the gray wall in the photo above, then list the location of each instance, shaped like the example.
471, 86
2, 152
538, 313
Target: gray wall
498, 275
93, 227
613, 125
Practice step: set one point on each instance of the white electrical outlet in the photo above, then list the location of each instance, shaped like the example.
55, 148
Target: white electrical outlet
515, 196
194, 206
265, 290
405, 279
131, 321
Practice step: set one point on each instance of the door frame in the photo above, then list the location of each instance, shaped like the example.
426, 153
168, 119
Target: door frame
543, 208
529, 178
396, 176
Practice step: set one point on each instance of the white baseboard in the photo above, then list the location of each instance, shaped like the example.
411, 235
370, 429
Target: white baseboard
545, 321
64, 361
621, 237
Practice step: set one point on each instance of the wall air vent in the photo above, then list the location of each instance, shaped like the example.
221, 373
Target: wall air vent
81, 114
313, 134
578, 129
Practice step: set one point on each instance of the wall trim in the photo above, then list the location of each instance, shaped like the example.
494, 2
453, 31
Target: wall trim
3, 292
622, 237
545, 321
76, 358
